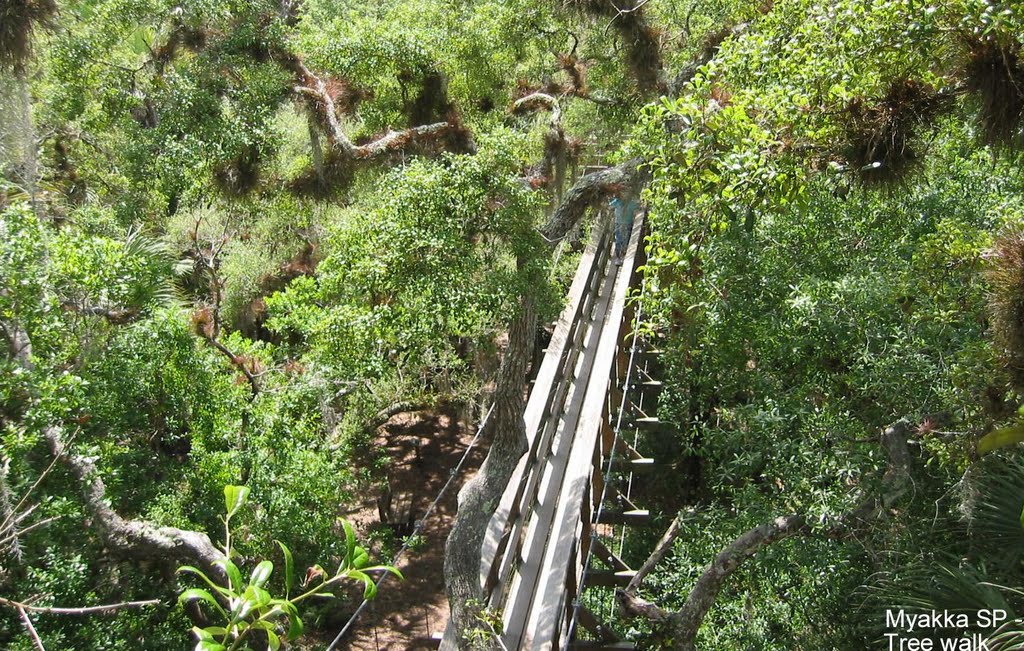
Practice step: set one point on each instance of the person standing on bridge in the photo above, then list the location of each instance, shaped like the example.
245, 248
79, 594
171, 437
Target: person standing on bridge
625, 207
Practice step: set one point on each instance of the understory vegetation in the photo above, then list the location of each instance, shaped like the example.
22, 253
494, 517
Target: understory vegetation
237, 236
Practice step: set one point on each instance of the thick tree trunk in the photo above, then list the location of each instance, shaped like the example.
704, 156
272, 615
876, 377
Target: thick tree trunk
506, 432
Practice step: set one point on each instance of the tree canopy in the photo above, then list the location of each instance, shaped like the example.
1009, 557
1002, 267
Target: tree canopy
237, 236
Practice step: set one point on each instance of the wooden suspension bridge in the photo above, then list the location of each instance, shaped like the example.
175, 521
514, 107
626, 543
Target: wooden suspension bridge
594, 387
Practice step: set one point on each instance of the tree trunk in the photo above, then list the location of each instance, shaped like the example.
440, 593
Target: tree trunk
506, 432
17, 135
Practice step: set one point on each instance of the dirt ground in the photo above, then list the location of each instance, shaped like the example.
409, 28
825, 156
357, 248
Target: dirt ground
424, 448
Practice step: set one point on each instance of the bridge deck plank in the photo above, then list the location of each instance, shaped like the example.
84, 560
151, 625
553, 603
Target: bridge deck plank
561, 563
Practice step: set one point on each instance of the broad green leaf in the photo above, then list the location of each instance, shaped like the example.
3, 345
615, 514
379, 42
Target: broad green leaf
385, 568
1001, 438
202, 634
273, 641
241, 611
209, 645
261, 574
289, 569
234, 574
361, 558
234, 498
257, 596
295, 627
203, 595
350, 542
370, 589
188, 569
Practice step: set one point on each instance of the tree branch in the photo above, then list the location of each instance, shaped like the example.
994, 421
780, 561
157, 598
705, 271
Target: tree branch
105, 609
31, 629
134, 538
685, 623
588, 191
660, 551
399, 140
323, 105
238, 363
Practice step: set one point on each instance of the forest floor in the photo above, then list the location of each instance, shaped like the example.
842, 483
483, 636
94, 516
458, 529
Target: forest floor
423, 448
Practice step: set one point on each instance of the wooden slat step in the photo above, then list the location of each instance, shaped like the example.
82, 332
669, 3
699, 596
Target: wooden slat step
634, 517
645, 463
632, 465
609, 579
647, 423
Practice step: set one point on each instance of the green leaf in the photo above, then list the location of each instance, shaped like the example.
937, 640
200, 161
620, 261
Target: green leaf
188, 569
1001, 438
350, 541
234, 574
261, 574
209, 645
273, 641
289, 568
370, 588
203, 595
234, 498
295, 627
257, 596
202, 634
385, 568
361, 558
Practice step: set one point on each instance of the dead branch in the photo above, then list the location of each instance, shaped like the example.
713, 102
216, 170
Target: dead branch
30, 628
238, 363
660, 551
105, 609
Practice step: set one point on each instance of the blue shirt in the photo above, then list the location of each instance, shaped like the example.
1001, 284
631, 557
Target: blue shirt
624, 210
